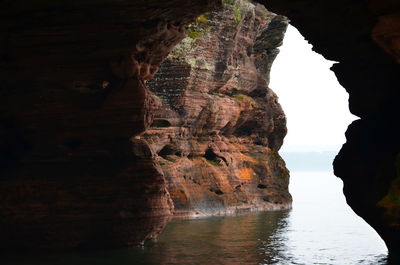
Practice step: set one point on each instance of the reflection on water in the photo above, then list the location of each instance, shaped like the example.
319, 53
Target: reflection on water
321, 229
226, 240
220, 240
241, 239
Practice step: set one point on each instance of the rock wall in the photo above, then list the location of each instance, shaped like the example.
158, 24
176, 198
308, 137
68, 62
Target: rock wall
363, 37
218, 129
73, 97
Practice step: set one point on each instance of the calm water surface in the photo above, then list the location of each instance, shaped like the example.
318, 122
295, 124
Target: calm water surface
321, 229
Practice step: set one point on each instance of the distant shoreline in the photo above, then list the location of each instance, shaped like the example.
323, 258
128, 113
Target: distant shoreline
309, 160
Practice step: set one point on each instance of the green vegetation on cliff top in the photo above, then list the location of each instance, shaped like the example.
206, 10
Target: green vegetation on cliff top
239, 7
203, 25
195, 31
244, 99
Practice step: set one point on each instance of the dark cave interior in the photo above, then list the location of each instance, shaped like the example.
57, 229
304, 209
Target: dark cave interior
70, 155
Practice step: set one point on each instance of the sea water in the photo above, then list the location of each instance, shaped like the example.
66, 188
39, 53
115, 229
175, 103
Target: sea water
320, 229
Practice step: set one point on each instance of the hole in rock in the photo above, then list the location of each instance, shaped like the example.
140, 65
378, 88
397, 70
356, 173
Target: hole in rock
213, 158
210, 155
169, 150
217, 191
258, 142
161, 123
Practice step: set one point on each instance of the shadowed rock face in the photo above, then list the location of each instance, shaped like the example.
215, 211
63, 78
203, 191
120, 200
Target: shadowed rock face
72, 94
219, 126
73, 97
363, 37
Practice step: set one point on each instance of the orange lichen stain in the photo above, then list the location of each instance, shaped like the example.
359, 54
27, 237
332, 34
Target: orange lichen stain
246, 158
210, 176
246, 174
391, 202
219, 177
387, 34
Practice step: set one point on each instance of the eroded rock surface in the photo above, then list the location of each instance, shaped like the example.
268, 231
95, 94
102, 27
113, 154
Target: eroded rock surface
219, 127
60, 62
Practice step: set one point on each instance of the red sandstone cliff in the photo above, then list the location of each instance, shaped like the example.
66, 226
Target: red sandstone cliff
68, 176
218, 129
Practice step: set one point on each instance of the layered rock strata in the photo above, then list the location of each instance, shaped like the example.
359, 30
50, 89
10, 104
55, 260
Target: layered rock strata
55, 74
218, 129
363, 38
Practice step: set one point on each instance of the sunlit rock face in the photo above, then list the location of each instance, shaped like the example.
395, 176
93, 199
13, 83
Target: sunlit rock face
73, 97
363, 37
218, 129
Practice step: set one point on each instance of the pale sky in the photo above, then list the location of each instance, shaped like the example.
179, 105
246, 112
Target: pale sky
315, 104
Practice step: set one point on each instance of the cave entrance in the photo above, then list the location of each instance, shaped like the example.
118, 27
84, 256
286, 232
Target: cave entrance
316, 107
315, 104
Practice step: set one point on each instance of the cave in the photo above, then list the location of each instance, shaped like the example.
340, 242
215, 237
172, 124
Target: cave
73, 155
161, 123
169, 150
212, 157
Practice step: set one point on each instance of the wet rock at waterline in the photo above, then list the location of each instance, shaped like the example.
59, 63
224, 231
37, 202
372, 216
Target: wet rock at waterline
76, 170
72, 94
